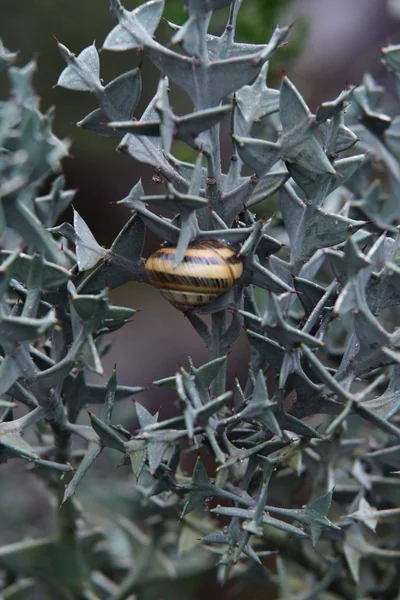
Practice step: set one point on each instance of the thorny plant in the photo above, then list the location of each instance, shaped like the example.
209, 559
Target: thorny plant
324, 329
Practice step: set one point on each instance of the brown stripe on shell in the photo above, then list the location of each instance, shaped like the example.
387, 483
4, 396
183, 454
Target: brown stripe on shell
194, 275
199, 257
187, 300
202, 286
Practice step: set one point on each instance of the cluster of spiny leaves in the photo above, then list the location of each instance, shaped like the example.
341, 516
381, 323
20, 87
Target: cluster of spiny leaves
321, 326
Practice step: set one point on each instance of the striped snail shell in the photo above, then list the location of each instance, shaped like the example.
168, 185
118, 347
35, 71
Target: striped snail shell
208, 269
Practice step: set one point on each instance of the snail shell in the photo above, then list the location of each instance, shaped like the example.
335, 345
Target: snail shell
209, 269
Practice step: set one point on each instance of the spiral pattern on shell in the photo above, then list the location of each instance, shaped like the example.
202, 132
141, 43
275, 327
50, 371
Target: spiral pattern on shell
209, 269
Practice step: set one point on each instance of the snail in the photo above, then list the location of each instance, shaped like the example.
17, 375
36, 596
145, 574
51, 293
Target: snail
209, 269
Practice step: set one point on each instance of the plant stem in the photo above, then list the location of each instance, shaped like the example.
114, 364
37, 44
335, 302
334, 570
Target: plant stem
70, 546
218, 349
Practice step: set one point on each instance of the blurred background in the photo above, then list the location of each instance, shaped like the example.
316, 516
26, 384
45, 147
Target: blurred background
330, 43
